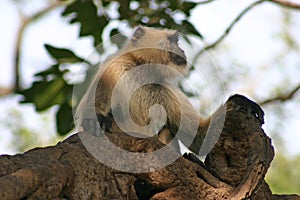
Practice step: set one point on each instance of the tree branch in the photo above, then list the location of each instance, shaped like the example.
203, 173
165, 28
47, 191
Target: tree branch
229, 28
283, 97
5, 91
286, 3
234, 169
283, 3
25, 21
205, 1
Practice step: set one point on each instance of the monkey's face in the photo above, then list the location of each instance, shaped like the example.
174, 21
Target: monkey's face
160, 46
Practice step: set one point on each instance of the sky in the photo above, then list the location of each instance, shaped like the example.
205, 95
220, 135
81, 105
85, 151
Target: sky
257, 30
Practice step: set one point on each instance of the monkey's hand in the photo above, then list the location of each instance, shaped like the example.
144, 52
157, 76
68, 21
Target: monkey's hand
98, 126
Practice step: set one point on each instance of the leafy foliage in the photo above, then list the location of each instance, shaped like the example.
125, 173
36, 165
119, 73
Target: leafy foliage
85, 13
51, 87
283, 174
25, 136
62, 55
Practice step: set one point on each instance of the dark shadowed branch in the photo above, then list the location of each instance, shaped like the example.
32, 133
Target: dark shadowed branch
234, 169
282, 97
285, 3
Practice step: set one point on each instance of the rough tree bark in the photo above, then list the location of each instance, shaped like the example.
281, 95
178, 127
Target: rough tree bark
234, 169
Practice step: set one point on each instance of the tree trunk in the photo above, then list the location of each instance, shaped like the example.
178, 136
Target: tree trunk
234, 169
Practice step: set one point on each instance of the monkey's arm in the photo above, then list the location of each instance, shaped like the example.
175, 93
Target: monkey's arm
210, 129
97, 99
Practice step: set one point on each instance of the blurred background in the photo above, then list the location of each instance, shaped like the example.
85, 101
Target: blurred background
247, 47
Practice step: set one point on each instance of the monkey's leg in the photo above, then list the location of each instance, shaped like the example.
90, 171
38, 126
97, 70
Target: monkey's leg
165, 136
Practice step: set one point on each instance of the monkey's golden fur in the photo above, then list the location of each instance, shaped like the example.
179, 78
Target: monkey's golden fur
148, 47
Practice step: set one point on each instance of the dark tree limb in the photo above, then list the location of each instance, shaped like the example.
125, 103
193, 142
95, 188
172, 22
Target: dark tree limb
282, 97
286, 3
234, 169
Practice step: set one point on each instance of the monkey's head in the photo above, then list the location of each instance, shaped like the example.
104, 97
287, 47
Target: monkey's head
157, 46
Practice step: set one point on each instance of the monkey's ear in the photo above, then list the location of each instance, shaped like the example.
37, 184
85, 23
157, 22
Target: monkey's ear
174, 38
138, 34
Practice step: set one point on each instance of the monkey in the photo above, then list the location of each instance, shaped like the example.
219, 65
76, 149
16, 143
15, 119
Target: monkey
153, 56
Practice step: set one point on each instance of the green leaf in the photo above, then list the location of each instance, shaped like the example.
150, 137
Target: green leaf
64, 119
44, 94
52, 72
174, 4
54, 69
85, 13
187, 27
62, 55
187, 6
